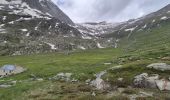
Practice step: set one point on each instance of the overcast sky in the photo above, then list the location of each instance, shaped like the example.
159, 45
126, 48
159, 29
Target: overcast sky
108, 10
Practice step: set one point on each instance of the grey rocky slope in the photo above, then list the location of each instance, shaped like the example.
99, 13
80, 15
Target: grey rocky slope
96, 30
115, 34
46, 6
25, 28
38, 26
143, 26
36, 8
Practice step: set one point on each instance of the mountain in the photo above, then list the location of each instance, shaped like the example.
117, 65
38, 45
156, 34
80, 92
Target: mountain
35, 8
135, 67
129, 34
30, 26
94, 28
39, 26
152, 28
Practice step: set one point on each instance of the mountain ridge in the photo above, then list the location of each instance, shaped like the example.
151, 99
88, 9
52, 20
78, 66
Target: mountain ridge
36, 8
26, 30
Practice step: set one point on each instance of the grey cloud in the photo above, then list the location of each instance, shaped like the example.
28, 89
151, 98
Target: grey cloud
107, 7
109, 10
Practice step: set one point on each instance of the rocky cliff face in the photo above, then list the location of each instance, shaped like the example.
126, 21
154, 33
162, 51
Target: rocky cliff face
35, 8
37, 26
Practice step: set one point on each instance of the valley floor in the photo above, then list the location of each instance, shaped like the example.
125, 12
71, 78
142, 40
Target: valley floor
40, 82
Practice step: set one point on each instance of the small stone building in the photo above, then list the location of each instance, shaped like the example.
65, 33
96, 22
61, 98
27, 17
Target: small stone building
8, 70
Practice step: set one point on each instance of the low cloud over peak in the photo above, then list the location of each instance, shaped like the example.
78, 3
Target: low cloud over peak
108, 10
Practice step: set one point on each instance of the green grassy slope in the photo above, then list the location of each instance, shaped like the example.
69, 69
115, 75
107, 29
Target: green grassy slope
136, 52
83, 65
150, 39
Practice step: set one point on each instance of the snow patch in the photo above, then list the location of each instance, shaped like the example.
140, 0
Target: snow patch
28, 34
4, 18
2, 30
12, 22
99, 45
81, 47
56, 24
2, 25
36, 28
130, 29
49, 27
24, 30
20, 7
5, 41
164, 18
52, 46
144, 26
95, 28
28, 10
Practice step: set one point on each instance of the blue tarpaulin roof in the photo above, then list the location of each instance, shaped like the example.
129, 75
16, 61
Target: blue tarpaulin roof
8, 67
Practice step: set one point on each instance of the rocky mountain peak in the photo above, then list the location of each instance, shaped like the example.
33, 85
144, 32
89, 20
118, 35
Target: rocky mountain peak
35, 8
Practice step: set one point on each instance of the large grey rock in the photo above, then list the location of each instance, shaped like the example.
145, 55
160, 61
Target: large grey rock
62, 77
116, 67
159, 66
5, 86
163, 84
99, 83
144, 81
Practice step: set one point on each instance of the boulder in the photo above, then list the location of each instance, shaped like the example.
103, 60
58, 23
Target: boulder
116, 67
166, 58
144, 81
39, 79
159, 66
107, 63
5, 86
88, 81
163, 84
100, 84
93, 94
120, 79
13, 82
62, 77
120, 90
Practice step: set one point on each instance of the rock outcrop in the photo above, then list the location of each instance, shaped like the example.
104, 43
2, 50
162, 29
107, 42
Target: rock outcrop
37, 26
144, 81
152, 81
159, 66
163, 84
99, 83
